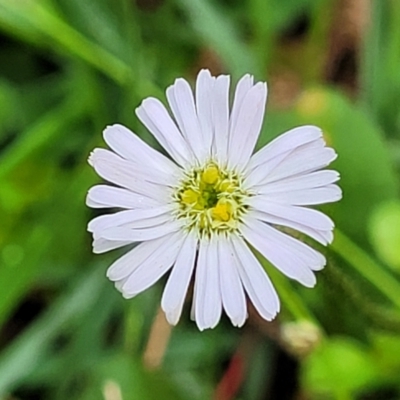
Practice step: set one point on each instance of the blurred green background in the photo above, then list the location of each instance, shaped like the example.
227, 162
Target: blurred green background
69, 68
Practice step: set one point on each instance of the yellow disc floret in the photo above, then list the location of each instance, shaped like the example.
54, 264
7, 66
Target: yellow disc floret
210, 199
210, 175
222, 211
189, 196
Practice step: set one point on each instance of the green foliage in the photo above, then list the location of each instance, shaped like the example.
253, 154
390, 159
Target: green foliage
71, 67
338, 367
367, 176
384, 230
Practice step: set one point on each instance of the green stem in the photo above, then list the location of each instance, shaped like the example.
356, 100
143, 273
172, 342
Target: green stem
378, 316
76, 43
367, 267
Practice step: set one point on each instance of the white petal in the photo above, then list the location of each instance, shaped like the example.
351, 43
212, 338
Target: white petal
123, 218
323, 237
180, 98
204, 93
220, 114
155, 117
242, 87
104, 196
126, 264
213, 304
256, 281
178, 282
307, 181
245, 131
321, 195
286, 142
131, 147
154, 267
208, 298
150, 222
292, 257
102, 156
303, 160
120, 284
306, 216
257, 175
140, 235
122, 173
101, 245
232, 293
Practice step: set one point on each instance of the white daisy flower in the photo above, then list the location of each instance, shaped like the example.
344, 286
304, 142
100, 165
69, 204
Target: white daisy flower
198, 212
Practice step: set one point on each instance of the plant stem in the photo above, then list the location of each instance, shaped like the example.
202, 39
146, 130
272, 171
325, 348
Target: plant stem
376, 274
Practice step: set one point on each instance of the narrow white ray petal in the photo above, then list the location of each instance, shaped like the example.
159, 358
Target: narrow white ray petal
254, 115
120, 284
139, 235
151, 222
101, 245
300, 182
292, 257
204, 91
180, 98
306, 216
99, 157
104, 196
280, 257
131, 147
155, 266
255, 280
302, 253
304, 159
286, 142
244, 133
242, 87
323, 237
207, 300
126, 217
212, 307
232, 293
253, 177
321, 195
125, 265
155, 117
120, 172
178, 282
301, 161
220, 115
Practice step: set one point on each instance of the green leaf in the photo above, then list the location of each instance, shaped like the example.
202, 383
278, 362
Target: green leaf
384, 231
340, 367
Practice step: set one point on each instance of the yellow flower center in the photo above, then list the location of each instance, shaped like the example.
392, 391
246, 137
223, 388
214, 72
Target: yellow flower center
211, 200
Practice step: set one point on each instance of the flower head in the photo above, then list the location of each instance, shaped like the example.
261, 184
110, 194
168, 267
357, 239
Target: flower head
197, 212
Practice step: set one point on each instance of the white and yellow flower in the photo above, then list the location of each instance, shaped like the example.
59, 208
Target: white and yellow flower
198, 212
